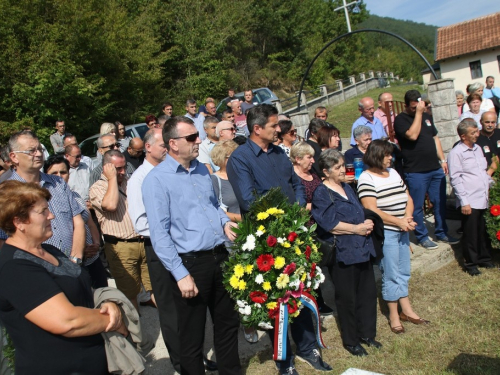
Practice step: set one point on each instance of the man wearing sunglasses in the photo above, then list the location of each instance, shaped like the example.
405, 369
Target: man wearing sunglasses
188, 230
105, 143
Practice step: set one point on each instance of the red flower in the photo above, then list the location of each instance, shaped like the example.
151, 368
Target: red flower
313, 270
271, 241
298, 293
292, 236
495, 210
258, 297
308, 252
498, 235
290, 268
272, 313
285, 298
265, 262
292, 306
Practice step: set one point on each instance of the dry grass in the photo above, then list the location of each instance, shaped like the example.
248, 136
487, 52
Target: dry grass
463, 337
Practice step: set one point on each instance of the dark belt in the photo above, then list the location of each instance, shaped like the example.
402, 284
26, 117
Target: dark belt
114, 240
219, 249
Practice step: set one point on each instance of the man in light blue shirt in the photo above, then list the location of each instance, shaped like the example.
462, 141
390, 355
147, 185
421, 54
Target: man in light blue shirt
195, 117
367, 108
489, 90
188, 230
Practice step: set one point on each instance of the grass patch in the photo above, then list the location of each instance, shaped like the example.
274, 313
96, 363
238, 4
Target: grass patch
344, 114
463, 337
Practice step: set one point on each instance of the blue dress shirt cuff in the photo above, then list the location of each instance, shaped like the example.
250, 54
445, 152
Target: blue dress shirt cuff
179, 273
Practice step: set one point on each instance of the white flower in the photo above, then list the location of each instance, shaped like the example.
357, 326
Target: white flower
321, 278
304, 228
259, 279
295, 221
241, 303
316, 285
294, 284
265, 325
281, 240
258, 305
249, 244
247, 310
259, 233
308, 284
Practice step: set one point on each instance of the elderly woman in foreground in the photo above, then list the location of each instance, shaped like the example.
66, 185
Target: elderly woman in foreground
381, 190
341, 220
46, 301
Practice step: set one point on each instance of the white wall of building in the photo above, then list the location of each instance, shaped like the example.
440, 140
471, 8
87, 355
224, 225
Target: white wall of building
458, 68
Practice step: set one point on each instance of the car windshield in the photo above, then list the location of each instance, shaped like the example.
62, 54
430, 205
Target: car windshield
141, 130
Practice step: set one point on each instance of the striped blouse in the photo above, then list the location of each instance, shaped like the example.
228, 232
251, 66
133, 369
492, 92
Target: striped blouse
390, 193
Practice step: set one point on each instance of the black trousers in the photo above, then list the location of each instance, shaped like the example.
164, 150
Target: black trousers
476, 246
97, 274
205, 268
356, 300
161, 281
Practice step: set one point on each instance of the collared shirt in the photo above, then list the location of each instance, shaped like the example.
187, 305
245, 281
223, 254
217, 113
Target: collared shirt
376, 126
136, 209
118, 222
489, 93
250, 169
97, 171
198, 122
64, 207
380, 114
468, 177
206, 147
351, 154
57, 141
183, 212
79, 178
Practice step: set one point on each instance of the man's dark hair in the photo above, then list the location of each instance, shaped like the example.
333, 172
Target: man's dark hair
170, 128
315, 125
259, 115
54, 159
487, 78
412, 96
226, 112
377, 151
167, 104
108, 155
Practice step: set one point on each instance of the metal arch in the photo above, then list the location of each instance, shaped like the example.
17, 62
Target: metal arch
356, 32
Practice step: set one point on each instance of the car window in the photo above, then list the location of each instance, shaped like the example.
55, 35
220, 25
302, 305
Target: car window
89, 147
129, 133
263, 95
140, 131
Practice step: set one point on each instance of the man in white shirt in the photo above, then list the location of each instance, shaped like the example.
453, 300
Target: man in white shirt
79, 172
206, 146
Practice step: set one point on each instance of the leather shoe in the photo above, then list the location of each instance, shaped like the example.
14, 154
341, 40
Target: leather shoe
406, 318
398, 329
370, 342
209, 365
148, 303
473, 271
487, 265
356, 350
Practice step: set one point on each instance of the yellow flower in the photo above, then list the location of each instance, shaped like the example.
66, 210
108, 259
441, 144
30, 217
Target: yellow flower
279, 263
271, 305
304, 276
282, 281
262, 215
234, 282
299, 303
242, 285
286, 244
297, 251
299, 242
266, 285
249, 268
279, 212
239, 270
314, 247
295, 314
262, 229
272, 211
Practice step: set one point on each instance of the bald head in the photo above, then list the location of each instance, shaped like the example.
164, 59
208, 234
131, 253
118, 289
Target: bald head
489, 122
135, 147
383, 98
236, 107
367, 108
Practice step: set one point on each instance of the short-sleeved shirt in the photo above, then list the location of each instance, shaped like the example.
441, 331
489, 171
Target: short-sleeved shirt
390, 193
490, 145
64, 207
26, 282
228, 196
376, 126
419, 155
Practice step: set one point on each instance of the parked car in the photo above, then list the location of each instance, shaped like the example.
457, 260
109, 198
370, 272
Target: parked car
89, 145
260, 95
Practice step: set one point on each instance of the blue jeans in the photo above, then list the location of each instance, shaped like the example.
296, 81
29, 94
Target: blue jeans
434, 183
395, 265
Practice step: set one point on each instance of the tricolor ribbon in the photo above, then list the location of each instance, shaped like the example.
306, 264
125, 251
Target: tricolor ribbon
281, 326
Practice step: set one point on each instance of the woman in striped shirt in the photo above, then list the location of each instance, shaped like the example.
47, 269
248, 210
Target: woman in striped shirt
382, 190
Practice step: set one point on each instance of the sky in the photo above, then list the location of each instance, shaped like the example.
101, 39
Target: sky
433, 12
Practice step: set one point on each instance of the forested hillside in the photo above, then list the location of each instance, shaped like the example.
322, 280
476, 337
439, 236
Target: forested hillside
386, 53
89, 61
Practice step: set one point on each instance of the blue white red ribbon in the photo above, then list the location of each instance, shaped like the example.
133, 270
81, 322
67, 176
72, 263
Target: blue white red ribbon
281, 326
281, 333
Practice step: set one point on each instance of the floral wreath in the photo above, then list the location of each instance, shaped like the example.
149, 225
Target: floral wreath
273, 262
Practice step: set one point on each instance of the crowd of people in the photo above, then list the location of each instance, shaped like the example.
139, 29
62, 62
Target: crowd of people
157, 215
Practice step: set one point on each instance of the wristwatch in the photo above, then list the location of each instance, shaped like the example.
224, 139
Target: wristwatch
442, 161
75, 260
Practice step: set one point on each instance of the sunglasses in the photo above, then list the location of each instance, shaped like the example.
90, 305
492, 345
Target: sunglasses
113, 145
292, 132
190, 137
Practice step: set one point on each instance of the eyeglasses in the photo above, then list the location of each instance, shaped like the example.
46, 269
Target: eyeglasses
31, 152
292, 132
113, 145
190, 137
